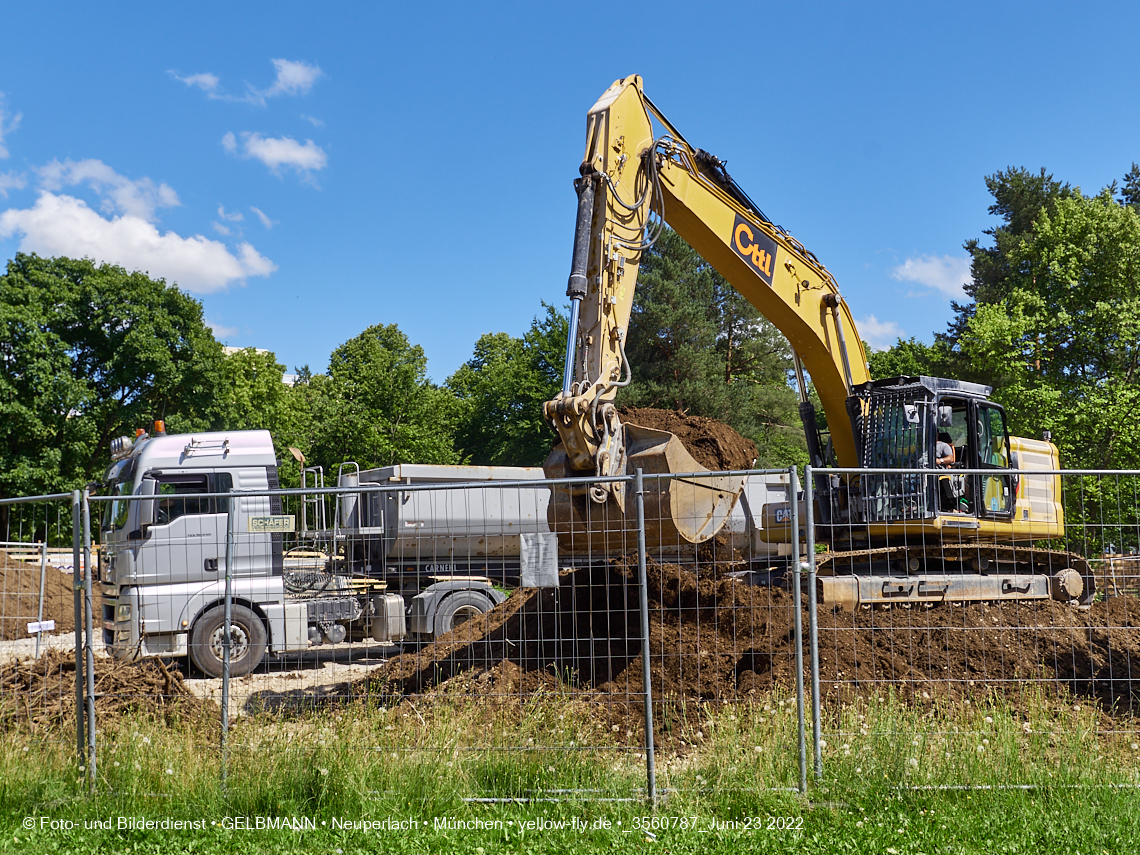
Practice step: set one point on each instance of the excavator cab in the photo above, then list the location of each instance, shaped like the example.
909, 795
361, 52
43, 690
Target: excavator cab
897, 423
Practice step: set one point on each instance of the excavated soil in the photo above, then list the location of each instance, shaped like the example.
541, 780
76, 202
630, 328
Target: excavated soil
722, 639
712, 444
20, 598
41, 692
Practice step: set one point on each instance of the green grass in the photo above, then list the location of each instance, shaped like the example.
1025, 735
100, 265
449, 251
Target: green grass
963, 777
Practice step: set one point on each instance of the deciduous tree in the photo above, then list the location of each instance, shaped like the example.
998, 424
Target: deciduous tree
89, 352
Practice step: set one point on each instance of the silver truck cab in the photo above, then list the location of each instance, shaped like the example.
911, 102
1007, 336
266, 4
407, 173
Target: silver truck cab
164, 556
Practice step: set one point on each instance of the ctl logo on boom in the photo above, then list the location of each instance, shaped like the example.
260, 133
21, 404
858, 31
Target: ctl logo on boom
755, 247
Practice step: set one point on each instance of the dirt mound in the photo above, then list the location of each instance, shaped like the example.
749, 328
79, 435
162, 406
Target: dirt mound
41, 692
720, 638
20, 598
713, 444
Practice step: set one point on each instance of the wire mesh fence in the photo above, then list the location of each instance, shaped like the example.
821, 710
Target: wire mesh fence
510, 629
996, 615
43, 686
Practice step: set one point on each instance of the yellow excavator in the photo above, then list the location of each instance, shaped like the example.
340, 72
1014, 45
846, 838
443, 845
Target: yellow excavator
902, 537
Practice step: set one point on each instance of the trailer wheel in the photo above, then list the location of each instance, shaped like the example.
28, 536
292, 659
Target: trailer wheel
458, 608
247, 641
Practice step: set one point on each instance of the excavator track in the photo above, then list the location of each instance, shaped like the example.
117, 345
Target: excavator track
958, 572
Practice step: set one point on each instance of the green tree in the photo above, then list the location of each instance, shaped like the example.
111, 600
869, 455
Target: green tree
1130, 194
377, 407
1061, 347
253, 394
1019, 198
501, 390
911, 357
89, 352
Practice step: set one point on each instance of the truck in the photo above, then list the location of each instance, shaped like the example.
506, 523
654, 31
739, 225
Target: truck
975, 529
439, 546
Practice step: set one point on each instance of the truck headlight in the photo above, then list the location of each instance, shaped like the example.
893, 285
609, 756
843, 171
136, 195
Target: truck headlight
123, 612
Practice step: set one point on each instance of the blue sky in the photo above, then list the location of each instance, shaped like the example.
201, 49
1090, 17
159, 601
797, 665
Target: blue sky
306, 170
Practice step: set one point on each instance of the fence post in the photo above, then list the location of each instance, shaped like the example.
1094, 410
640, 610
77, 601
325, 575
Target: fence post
227, 630
647, 682
89, 632
797, 608
76, 581
813, 623
43, 579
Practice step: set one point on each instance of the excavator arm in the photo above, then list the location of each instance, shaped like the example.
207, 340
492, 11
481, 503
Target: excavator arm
632, 184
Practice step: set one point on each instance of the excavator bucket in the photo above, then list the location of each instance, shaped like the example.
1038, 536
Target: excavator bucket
678, 511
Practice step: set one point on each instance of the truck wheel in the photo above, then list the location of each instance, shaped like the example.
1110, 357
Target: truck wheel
458, 608
247, 641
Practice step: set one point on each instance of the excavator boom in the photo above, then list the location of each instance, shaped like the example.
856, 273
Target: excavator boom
632, 184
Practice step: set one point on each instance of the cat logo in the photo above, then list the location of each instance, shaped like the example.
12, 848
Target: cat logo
755, 247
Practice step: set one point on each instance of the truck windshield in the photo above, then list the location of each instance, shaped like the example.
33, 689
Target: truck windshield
116, 514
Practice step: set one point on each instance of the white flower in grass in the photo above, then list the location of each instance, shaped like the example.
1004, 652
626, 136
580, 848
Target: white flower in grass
1135, 746
981, 748
758, 749
985, 742
989, 719
146, 740
169, 771
326, 771
913, 761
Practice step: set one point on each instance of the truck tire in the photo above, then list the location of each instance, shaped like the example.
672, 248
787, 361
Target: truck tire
458, 608
247, 641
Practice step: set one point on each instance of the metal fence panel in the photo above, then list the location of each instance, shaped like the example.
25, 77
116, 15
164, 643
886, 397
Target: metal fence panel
41, 620
1017, 612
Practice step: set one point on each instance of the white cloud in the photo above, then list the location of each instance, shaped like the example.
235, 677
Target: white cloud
7, 125
878, 334
293, 78
261, 215
235, 217
222, 230
221, 332
944, 273
207, 82
121, 195
63, 225
11, 181
316, 123
276, 152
